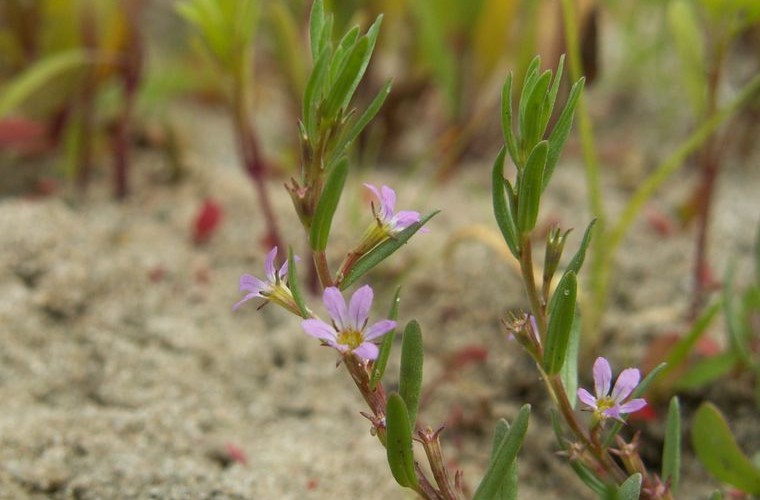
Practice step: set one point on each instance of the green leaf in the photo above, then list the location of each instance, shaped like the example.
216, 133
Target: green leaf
382, 252
356, 127
757, 255
498, 469
551, 96
733, 319
410, 379
347, 80
506, 121
706, 370
342, 51
530, 188
671, 451
37, 76
685, 346
530, 123
577, 261
690, 46
326, 206
716, 495
313, 94
561, 130
569, 371
501, 210
317, 28
631, 488
716, 448
378, 367
508, 489
531, 77
293, 284
560, 324
399, 442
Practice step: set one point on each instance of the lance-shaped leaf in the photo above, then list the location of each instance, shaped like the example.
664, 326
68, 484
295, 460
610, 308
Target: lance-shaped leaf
506, 121
356, 127
734, 326
313, 93
551, 96
508, 489
317, 35
382, 252
530, 188
328, 203
531, 77
505, 456
707, 370
716, 448
577, 261
399, 442
630, 489
501, 210
378, 368
569, 371
341, 53
530, 123
561, 130
560, 323
293, 284
346, 81
410, 380
671, 451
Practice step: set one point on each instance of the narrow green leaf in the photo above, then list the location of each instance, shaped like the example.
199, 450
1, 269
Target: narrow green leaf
357, 126
716, 448
293, 284
733, 319
313, 94
551, 96
569, 371
531, 131
326, 206
685, 346
490, 487
342, 51
410, 380
706, 371
316, 28
531, 77
506, 122
671, 451
560, 324
508, 489
631, 488
382, 252
561, 130
371, 38
501, 211
577, 261
399, 442
530, 188
379, 366
38, 75
346, 81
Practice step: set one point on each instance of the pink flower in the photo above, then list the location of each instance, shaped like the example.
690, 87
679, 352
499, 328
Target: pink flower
348, 331
392, 222
273, 289
613, 404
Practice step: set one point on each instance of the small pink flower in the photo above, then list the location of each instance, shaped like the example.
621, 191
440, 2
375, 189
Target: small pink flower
613, 404
348, 331
393, 222
273, 289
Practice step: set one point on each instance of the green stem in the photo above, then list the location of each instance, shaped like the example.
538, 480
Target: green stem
529, 280
323, 269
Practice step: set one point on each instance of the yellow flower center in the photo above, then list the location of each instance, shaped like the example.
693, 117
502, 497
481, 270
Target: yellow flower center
350, 338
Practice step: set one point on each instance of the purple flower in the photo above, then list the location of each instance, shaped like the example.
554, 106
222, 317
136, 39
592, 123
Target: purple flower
393, 222
273, 289
348, 331
608, 404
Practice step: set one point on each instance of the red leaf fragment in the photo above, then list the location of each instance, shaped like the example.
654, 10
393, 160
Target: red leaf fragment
207, 221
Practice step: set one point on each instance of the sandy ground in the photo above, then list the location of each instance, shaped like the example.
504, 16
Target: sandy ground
124, 373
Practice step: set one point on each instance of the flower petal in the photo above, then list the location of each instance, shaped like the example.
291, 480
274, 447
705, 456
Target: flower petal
336, 306
269, 265
319, 329
587, 398
367, 350
633, 405
283, 272
379, 329
625, 384
613, 412
602, 377
250, 283
248, 297
358, 308
388, 201
404, 219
